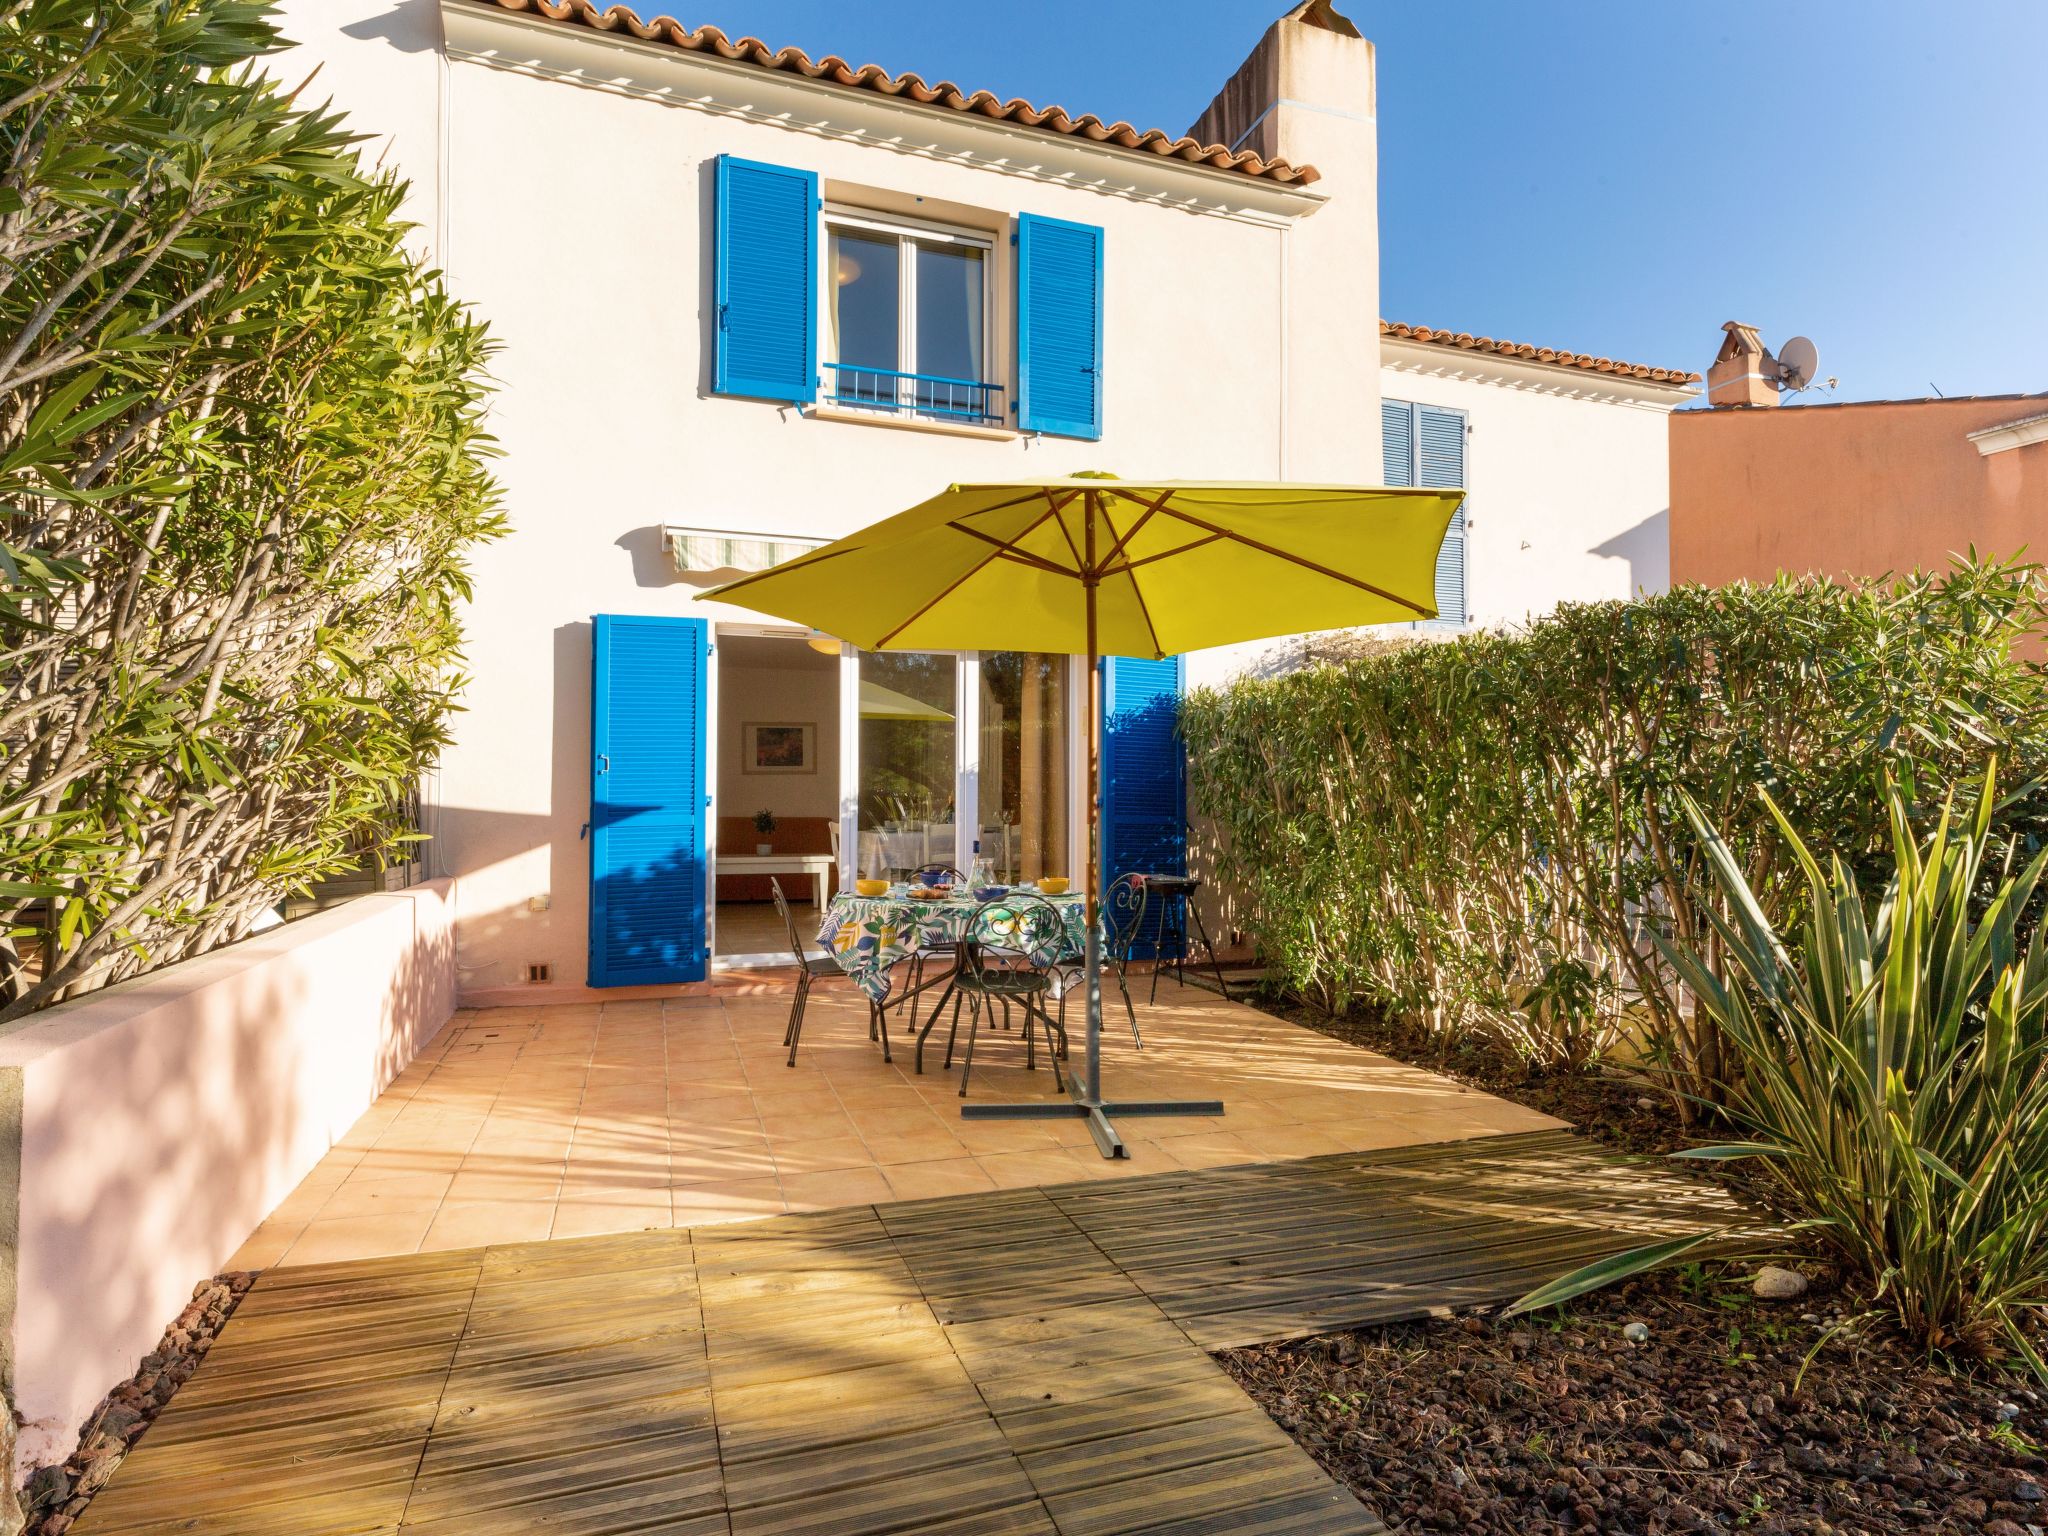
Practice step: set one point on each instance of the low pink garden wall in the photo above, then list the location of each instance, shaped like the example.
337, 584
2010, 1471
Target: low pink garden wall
159, 1121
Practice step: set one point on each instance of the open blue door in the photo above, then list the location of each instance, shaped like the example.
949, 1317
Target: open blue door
1144, 772
647, 800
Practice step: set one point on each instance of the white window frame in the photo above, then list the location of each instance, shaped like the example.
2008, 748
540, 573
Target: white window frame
907, 232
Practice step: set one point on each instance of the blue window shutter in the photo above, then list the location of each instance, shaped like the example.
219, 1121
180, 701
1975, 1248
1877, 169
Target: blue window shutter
1397, 441
1059, 327
1144, 771
1440, 452
766, 296
647, 800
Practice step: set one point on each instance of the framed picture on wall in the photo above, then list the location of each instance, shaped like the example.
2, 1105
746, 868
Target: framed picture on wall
779, 748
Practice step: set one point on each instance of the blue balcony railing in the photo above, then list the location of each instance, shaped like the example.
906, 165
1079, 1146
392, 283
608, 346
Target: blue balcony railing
918, 394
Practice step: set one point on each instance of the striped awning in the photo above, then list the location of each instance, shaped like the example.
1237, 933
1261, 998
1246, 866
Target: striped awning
723, 549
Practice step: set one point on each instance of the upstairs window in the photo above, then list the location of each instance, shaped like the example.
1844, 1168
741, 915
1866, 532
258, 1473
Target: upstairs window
1425, 445
907, 324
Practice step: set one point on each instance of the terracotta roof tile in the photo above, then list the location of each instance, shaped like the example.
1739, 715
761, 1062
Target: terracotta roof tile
834, 70
1529, 354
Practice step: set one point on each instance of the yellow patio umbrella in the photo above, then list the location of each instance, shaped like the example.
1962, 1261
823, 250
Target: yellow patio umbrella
1094, 565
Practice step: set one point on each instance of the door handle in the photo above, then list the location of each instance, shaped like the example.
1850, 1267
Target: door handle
604, 763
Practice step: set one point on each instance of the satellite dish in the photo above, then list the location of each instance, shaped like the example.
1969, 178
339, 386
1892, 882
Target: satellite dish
1797, 363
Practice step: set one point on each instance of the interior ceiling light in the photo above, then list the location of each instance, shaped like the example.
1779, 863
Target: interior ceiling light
822, 643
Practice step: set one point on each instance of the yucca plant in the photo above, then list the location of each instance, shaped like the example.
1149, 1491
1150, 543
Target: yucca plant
1890, 1070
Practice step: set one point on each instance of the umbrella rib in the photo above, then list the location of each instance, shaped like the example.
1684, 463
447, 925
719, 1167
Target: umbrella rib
1010, 550
1307, 565
1132, 532
956, 584
1055, 505
1164, 554
1145, 613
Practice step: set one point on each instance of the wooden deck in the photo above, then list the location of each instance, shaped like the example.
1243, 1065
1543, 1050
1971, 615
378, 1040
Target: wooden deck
1029, 1361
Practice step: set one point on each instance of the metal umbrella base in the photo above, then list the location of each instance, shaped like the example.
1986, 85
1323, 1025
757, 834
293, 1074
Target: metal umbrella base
1085, 1092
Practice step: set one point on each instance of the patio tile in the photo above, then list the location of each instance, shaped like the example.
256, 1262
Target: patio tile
366, 1194
734, 1200
629, 1211
360, 1237
819, 1155
479, 1223
846, 1186
645, 1113
919, 1145
1214, 1149
929, 1181
806, 1124
1019, 1170
267, 1244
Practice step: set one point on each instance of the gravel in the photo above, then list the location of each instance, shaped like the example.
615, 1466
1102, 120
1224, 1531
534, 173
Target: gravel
1713, 1423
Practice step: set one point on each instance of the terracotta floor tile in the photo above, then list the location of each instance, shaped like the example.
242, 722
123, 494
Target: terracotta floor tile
588, 1218
267, 1244
792, 1124
609, 1117
359, 1196
1214, 1149
1289, 1141
481, 1179
736, 1200
1019, 1170
498, 1221
822, 1191
721, 1165
819, 1154
929, 1181
359, 1237
915, 1146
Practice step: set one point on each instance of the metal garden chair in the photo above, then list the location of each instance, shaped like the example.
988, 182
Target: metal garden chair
810, 967
1009, 954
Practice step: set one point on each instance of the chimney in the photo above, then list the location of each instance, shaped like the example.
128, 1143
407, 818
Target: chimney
1743, 373
1306, 95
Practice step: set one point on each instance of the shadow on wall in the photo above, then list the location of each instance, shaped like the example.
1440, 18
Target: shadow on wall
648, 548
410, 26
1647, 549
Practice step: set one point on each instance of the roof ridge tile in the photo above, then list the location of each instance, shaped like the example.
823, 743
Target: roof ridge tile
1466, 341
833, 70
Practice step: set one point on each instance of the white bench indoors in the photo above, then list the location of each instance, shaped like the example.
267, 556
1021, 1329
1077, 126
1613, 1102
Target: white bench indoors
817, 865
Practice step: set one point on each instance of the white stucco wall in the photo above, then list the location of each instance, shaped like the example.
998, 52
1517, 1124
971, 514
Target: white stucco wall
1568, 474
564, 181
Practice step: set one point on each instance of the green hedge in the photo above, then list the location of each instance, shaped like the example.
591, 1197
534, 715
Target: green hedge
1485, 833
242, 468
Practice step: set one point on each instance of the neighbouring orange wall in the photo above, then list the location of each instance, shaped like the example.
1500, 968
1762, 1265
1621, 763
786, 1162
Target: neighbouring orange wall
1850, 490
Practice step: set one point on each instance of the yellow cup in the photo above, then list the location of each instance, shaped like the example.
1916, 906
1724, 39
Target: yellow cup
1053, 885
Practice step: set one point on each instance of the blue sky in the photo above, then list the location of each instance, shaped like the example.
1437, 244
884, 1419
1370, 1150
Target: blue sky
1612, 176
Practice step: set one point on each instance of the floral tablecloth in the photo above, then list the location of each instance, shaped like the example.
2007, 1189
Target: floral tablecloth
871, 935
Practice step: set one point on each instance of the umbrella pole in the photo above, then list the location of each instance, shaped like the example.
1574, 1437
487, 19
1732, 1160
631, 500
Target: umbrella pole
1086, 1091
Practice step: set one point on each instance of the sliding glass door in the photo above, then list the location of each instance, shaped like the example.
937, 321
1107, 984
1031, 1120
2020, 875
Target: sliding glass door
1024, 765
909, 773
954, 750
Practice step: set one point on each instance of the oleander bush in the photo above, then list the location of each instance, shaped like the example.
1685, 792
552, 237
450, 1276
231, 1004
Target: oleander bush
1488, 833
241, 463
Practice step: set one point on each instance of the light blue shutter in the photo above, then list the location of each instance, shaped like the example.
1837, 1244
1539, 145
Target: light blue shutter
1397, 441
647, 807
766, 298
1059, 327
1440, 455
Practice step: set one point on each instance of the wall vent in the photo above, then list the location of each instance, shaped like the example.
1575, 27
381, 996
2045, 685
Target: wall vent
539, 972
